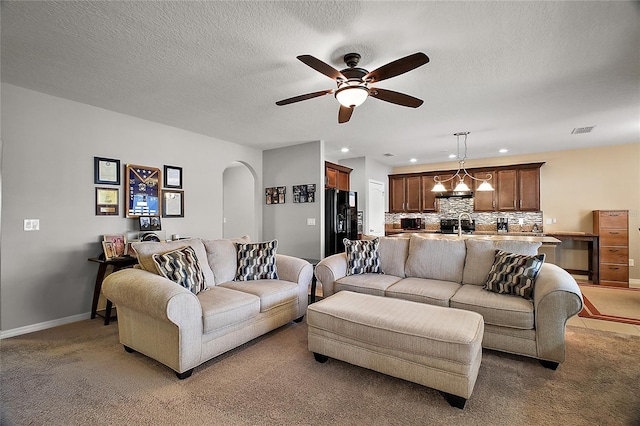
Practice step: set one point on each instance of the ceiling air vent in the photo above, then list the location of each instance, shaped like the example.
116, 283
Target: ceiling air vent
388, 154
580, 130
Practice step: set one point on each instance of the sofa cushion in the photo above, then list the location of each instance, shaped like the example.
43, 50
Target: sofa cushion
436, 259
222, 257
272, 293
145, 251
182, 267
362, 256
393, 255
433, 292
222, 307
501, 310
257, 261
375, 284
481, 254
514, 273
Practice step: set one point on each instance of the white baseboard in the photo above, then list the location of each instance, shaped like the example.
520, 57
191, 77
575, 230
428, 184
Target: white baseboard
634, 283
43, 325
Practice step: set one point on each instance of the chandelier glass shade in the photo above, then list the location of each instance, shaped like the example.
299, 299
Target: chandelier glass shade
352, 95
462, 173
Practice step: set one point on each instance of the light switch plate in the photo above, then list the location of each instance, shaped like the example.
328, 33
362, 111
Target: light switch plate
311, 221
32, 224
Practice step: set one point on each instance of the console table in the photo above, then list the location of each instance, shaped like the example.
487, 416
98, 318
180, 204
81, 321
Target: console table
592, 247
117, 264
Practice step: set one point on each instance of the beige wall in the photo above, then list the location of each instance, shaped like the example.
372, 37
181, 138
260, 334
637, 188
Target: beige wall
573, 183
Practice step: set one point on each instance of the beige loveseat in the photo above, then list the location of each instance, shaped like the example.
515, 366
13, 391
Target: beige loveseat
180, 329
451, 273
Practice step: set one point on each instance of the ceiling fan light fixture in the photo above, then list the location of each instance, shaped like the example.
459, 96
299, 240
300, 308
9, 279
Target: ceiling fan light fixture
352, 96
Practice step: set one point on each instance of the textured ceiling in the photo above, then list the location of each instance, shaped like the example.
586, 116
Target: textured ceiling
517, 75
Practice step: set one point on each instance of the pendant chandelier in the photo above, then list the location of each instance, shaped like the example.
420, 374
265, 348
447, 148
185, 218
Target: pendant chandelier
462, 172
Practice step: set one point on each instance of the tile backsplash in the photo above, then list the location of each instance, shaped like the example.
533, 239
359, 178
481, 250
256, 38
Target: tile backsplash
450, 208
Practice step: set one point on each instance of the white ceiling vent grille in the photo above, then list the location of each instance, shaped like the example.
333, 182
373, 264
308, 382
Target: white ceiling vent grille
580, 130
388, 154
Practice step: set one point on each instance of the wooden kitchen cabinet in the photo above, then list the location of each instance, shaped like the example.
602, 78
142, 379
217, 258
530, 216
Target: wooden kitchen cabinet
429, 200
529, 189
337, 176
405, 193
515, 189
612, 228
507, 190
484, 201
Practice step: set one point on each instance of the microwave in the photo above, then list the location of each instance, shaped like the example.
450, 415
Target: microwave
411, 223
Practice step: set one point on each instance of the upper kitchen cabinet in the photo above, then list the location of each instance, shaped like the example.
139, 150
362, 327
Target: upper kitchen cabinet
405, 193
484, 201
337, 176
429, 201
529, 188
516, 188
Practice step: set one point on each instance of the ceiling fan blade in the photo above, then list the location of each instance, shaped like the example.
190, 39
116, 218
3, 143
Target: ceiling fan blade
303, 97
321, 67
397, 67
344, 114
396, 98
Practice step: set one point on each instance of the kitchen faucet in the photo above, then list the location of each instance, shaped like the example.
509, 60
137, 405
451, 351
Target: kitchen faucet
460, 223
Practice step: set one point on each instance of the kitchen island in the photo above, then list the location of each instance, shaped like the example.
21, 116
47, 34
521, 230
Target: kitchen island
521, 236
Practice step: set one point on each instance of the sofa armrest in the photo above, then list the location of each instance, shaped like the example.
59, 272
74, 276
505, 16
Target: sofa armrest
153, 295
329, 270
294, 269
556, 298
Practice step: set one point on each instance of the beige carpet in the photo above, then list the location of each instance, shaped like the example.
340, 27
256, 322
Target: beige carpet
78, 374
611, 303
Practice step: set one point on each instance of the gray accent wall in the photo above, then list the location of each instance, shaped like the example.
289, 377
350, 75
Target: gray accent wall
295, 165
47, 174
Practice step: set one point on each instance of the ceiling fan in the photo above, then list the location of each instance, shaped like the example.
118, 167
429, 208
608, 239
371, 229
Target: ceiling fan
354, 83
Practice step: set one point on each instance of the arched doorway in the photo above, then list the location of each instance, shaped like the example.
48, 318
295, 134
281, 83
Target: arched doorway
238, 204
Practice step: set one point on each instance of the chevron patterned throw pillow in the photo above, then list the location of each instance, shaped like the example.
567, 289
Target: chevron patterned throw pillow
257, 261
514, 273
362, 256
182, 267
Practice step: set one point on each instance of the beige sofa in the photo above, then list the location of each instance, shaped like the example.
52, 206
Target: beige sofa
172, 325
451, 273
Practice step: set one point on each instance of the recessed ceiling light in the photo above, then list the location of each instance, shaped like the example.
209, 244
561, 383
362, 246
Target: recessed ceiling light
452, 156
345, 150
503, 150
413, 160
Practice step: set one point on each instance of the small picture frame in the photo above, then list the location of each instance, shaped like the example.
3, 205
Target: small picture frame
173, 177
109, 250
150, 223
119, 244
107, 201
106, 171
173, 203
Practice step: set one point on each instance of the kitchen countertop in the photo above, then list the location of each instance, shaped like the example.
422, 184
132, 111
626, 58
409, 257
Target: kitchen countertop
522, 236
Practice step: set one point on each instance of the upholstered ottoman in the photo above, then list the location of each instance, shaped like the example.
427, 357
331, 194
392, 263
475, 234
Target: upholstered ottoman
434, 346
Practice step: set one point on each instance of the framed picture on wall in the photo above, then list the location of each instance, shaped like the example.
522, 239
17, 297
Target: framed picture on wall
150, 223
106, 171
173, 203
173, 177
143, 191
107, 201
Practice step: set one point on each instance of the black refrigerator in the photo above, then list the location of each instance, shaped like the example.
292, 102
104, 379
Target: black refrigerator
341, 219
